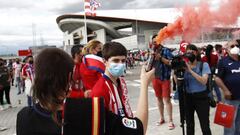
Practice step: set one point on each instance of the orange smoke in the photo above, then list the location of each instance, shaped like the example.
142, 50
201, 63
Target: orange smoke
195, 20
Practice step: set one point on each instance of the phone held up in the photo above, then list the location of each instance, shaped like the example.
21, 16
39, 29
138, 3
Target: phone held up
150, 62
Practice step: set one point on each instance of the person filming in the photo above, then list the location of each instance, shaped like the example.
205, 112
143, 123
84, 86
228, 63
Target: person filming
195, 78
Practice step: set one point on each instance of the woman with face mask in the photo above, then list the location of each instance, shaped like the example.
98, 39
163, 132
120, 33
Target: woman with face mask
195, 79
89, 70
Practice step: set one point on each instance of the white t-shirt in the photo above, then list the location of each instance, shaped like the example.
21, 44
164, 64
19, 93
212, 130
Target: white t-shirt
17, 68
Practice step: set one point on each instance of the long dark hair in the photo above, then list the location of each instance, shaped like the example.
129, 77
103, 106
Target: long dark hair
51, 82
208, 52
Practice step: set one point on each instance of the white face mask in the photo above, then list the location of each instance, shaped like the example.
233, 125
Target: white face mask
235, 50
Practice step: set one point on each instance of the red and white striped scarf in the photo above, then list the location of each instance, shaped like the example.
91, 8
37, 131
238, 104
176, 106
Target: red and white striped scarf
119, 101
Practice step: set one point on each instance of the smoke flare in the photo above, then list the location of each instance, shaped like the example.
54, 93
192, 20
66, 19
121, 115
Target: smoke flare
195, 20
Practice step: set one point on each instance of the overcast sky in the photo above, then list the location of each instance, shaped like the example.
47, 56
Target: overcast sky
17, 17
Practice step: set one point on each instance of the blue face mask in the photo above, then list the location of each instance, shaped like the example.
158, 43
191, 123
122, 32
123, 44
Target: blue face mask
116, 69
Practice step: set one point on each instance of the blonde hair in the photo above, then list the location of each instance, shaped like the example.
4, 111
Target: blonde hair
91, 45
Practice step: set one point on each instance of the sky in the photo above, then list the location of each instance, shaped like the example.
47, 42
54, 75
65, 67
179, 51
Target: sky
18, 17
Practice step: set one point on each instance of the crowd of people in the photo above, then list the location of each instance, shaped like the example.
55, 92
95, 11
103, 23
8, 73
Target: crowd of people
205, 70
15, 73
97, 70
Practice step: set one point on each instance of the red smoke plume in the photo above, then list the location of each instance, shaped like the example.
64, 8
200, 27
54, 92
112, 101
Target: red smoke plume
195, 20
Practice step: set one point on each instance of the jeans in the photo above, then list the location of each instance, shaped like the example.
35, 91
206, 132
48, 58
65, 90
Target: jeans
176, 95
235, 129
18, 82
217, 91
29, 101
6, 90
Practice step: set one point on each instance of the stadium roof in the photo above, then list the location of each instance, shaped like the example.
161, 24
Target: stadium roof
112, 20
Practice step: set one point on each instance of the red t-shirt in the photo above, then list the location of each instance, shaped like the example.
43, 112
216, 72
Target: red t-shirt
89, 77
213, 62
101, 89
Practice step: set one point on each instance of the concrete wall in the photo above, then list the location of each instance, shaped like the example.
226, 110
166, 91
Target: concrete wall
68, 37
143, 26
129, 42
101, 35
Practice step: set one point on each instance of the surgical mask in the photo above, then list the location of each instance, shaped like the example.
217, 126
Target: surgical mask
235, 50
117, 69
99, 53
191, 57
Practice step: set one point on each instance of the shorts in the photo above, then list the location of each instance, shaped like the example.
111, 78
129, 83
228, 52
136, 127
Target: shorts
161, 88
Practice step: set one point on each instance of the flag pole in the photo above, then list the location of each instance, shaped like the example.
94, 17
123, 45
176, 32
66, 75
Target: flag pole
136, 19
85, 23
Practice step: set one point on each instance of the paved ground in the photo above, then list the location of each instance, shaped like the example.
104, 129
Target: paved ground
8, 117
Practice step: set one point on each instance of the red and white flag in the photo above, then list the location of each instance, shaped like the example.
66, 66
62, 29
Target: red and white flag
94, 62
90, 7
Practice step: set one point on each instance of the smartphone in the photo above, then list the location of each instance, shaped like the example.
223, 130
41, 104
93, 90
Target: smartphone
150, 63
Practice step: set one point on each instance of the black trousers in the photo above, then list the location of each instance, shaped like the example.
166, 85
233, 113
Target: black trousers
197, 102
6, 90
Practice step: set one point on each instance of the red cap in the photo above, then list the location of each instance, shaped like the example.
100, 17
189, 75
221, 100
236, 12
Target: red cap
183, 46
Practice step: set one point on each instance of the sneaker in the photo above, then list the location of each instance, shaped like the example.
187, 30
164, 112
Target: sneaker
174, 102
171, 126
159, 123
9, 106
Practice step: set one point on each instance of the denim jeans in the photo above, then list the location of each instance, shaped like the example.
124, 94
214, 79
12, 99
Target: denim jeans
217, 91
235, 129
29, 101
176, 95
18, 83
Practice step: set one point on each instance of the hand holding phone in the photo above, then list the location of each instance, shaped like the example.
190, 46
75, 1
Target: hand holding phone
150, 63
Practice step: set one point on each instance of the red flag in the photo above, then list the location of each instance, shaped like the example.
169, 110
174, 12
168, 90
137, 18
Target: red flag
94, 62
24, 52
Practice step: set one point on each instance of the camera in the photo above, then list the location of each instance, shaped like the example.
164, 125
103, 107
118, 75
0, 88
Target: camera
179, 63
